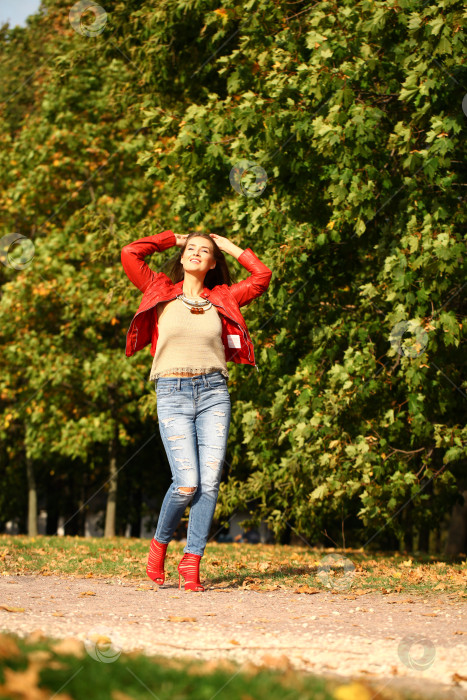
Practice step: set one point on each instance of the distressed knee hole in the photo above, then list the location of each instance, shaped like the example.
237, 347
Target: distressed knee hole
185, 462
219, 413
166, 421
176, 437
220, 428
213, 462
187, 489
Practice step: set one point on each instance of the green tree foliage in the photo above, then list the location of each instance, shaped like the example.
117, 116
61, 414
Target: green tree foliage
354, 111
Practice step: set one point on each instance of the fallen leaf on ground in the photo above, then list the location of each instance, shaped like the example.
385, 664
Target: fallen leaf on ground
35, 636
9, 608
180, 618
40, 656
456, 677
353, 691
25, 685
87, 593
69, 647
146, 588
281, 662
307, 589
8, 647
118, 695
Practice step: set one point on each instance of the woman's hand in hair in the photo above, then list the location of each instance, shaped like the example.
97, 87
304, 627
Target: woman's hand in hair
180, 239
227, 246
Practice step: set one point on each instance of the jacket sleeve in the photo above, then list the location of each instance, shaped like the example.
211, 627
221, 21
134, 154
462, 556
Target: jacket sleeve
133, 255
254, 285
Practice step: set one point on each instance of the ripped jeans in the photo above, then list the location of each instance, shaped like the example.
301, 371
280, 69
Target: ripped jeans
194, 420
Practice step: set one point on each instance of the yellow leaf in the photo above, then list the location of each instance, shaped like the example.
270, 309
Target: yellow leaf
353, 691
9, 608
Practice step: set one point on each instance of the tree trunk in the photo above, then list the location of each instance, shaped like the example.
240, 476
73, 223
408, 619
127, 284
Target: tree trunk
32, 499
408, 528
53, 486
111, 509
424, 526
424, 539
457, 535
136, 504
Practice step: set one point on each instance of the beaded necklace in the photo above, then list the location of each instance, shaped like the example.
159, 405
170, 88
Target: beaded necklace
195, 306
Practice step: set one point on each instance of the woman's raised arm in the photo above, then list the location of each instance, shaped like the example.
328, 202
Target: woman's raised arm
133, 255
258, 281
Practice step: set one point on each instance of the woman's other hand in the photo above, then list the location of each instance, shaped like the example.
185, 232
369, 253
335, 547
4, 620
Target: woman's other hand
227, 246
180, 239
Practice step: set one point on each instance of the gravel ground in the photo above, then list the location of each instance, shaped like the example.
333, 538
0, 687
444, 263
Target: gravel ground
407, 642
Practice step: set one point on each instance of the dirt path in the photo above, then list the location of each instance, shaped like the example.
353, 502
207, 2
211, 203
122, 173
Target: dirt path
338, 635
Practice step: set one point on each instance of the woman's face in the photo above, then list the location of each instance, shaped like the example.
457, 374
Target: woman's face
198, 255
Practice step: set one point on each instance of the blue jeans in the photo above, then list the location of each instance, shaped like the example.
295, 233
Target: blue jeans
194, 420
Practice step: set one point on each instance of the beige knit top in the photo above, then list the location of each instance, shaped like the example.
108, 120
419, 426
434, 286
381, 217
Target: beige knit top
188, 342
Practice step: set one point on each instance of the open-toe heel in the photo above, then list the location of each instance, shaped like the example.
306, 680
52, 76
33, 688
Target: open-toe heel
189, 569
155, 567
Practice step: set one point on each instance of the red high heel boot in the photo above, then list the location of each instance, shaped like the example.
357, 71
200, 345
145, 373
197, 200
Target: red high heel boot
155, 567
189, 569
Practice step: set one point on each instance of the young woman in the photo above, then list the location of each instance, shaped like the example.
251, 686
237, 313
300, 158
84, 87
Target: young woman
193, 321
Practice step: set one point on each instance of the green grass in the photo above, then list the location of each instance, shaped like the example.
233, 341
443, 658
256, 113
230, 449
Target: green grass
258, 567
43, 667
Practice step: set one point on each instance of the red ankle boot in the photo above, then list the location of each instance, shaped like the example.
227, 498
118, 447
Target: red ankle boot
155, 567
189, 569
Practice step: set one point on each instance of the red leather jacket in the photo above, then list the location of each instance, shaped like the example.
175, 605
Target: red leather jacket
156, 287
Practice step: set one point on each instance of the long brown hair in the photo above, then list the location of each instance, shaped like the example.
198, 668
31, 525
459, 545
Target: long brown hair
220, 274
